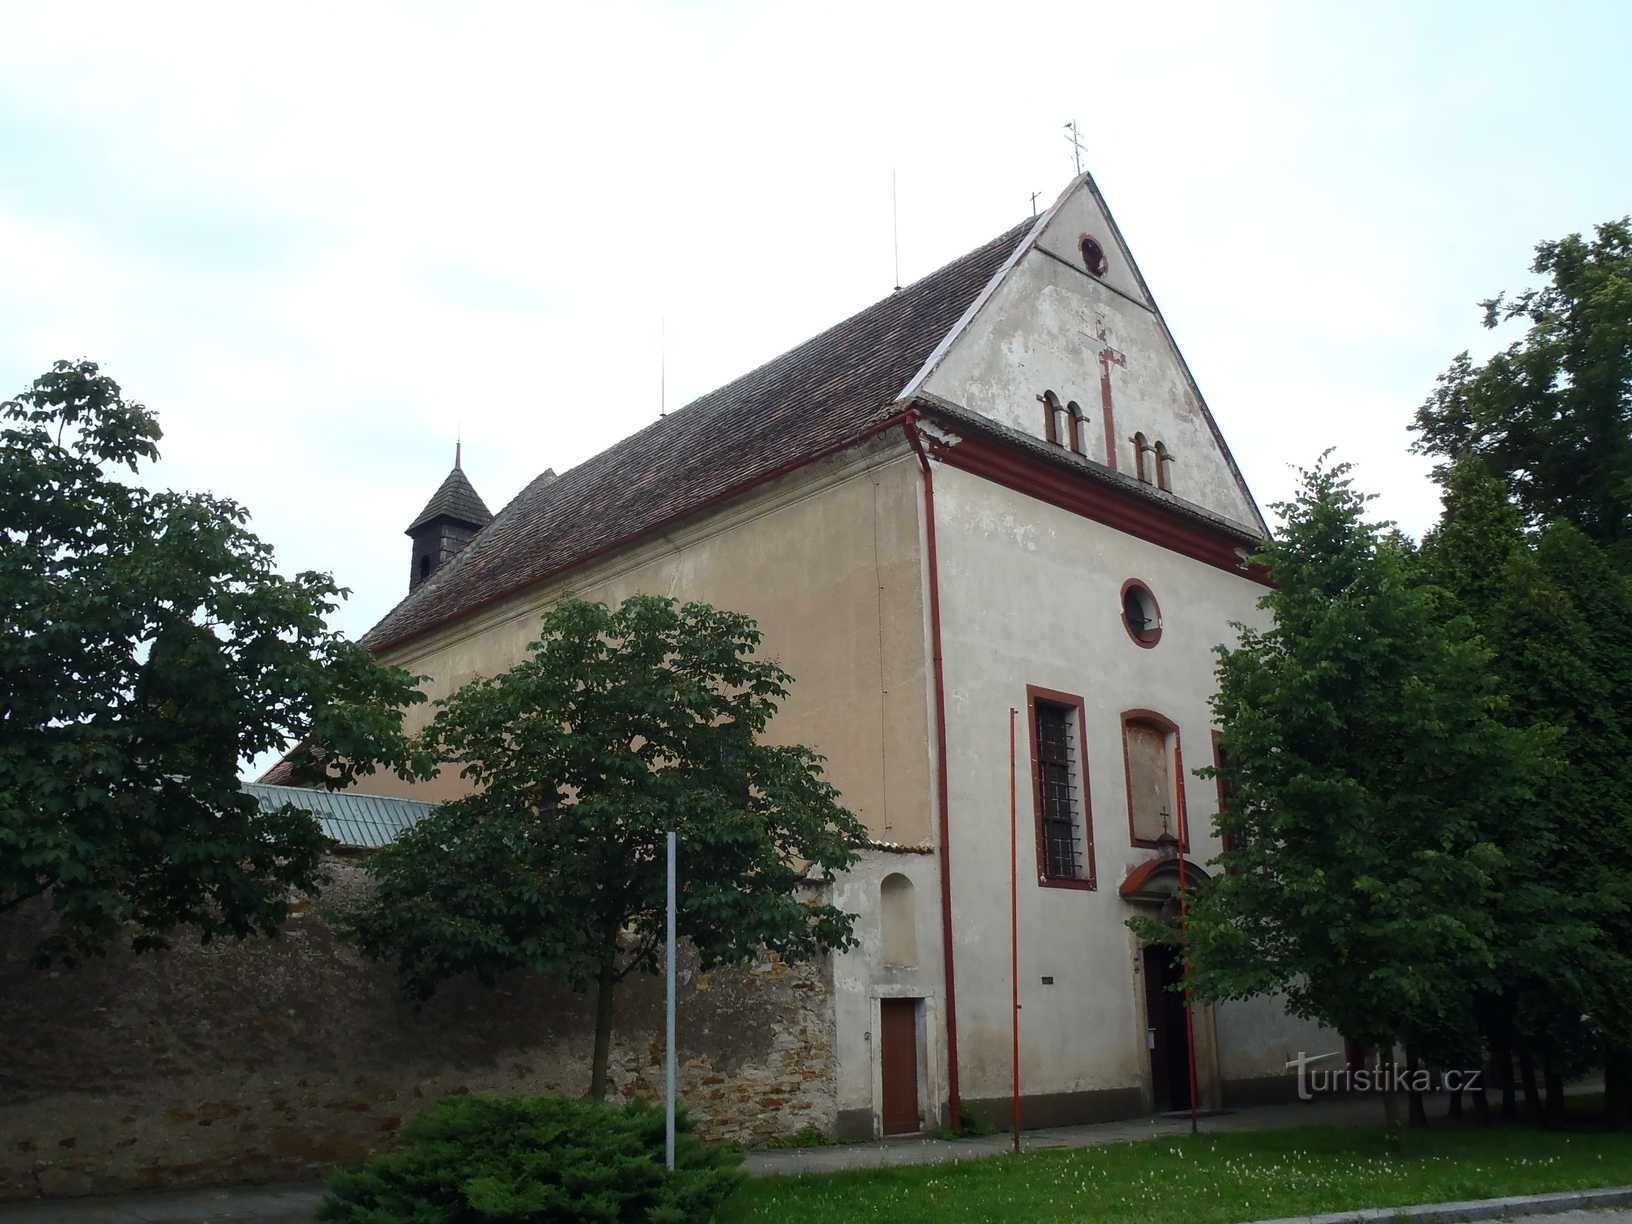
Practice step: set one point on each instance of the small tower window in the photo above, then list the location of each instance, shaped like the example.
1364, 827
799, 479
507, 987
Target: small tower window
1079, 427
1164, 475
425, 565
1141, 457
1057, 424
1141, 616
1093, 255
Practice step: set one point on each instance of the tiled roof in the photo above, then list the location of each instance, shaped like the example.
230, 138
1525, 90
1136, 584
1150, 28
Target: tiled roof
813, 397
456, 499
365, 822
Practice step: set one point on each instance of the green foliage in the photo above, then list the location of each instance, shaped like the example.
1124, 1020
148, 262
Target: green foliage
1557, 614
478, 1158
619, 726
1369, 757
148, 646
1552, 413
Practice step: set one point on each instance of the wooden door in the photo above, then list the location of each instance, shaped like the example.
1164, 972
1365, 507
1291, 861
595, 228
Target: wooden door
898, 1049
1169, 1047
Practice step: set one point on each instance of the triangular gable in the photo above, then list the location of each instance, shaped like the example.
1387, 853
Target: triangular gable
1094, 337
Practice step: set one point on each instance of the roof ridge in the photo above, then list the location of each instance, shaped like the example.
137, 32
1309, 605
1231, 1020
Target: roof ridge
807, 400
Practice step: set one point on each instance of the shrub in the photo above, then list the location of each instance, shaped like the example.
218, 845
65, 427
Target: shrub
531, 1160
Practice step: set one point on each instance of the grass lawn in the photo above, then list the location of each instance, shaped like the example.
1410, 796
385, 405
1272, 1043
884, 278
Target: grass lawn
1228, 1177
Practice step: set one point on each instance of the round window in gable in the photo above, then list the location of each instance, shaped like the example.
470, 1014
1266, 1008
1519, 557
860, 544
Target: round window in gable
1093, 255
1141, 617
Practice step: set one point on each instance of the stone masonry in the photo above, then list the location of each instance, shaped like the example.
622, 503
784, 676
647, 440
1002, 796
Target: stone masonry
274, 1059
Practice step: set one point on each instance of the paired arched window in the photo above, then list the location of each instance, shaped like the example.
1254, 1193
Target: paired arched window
1152, 462
1057, 426
1164, 461
1141, 461
1064, 426
898, 921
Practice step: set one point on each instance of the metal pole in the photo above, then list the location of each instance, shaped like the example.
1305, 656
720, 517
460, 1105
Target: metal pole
668, 1057
1014, 923
1184, 921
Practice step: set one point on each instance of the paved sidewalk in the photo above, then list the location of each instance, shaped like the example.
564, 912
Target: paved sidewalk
294, 1204
892, 1152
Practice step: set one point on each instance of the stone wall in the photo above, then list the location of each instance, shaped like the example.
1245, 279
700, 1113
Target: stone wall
273, 1059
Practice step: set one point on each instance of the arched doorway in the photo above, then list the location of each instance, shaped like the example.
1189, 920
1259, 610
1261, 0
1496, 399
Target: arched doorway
1169, 1044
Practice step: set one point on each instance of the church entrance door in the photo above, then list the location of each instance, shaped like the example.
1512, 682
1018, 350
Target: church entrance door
1164, 1018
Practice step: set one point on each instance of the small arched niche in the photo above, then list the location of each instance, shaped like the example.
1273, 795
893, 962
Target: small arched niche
899, 922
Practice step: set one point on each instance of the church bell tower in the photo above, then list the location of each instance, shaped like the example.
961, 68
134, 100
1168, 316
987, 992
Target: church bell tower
454, 514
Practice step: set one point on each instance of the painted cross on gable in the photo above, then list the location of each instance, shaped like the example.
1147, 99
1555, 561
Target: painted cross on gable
1108, 357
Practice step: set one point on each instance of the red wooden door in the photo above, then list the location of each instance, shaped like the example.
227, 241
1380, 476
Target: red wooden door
899, 1052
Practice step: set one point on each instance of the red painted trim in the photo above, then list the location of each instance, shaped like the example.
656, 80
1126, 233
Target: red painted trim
1109, 411
731, 494
1122, 603
1140, 875
943, 820
1034, 694
1226, 842
1176, 780
1218, 770
1126, 512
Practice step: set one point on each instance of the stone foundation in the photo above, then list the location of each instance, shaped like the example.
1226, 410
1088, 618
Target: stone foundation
274, 1059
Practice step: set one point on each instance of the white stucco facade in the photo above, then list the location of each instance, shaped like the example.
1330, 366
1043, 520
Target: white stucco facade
1031, 587
839, 561
1031, 595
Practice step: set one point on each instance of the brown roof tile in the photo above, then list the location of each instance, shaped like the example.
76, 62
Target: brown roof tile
816, 396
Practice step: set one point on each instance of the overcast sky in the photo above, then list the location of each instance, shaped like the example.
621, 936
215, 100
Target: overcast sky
319, 240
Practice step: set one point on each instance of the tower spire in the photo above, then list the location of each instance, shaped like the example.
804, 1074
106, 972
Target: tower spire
458, 446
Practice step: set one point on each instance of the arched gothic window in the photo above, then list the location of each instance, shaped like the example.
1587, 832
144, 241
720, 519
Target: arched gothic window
1079, 428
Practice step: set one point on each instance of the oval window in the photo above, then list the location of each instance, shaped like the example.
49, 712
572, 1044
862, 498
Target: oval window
1141, 616
1093, 255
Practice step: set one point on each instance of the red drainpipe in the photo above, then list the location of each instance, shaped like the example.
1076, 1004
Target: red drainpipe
954, 1100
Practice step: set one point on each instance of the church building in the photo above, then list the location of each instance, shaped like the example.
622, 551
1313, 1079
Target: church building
998, 488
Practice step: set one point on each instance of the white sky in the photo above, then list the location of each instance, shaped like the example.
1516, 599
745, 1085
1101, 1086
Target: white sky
319, 239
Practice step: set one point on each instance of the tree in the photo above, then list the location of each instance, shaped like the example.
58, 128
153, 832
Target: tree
1557, 616
148, 646
1551, 414
1367, 757
619, 726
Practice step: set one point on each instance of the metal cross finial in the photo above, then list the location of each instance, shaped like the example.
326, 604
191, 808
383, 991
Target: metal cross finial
458, 447
1075, 141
